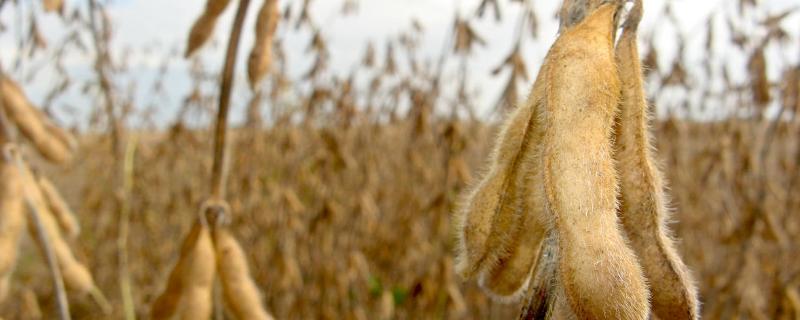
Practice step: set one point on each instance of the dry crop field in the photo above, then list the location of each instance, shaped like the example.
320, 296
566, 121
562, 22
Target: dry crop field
337, 196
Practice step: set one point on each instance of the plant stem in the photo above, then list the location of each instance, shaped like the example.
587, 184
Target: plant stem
124, 230
101, 66
219, 169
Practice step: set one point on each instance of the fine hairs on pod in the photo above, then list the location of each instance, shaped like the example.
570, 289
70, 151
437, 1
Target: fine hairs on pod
203, 27
55, 144
643, 208
507, 279
600, 274
489, 211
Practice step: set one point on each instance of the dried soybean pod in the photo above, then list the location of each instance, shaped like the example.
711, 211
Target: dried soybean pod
76, 276
63, 214
12, 222
488, 214
574, 11
643, 209
261, 56
53, 5
509, 278
488, 218
188, 290
52, 142
600, 274
240, 292
204, 25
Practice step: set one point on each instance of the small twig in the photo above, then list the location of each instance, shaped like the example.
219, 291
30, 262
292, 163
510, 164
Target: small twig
102, 62
124, 231
219, 172
47, 250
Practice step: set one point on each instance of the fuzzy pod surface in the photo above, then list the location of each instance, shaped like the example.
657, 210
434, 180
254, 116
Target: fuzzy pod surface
509, 277
488, 214
643, 209
601, 276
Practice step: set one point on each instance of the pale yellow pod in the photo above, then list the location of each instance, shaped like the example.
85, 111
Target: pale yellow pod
188, 289
5, 286
601, 276
508, 279
12, 222
204, 25
643, 209
52, 142
486, 217
76, 276
52, 5
66, 218
260, 59
196, 303
241, 294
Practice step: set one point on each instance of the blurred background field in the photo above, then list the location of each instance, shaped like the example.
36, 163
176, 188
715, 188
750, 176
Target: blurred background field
345, 163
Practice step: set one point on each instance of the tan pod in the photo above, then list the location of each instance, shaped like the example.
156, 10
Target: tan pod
76, 276
489, 211
52, 5
600, 274
204, 25
509, 277
52, 142
643, 209
12, 222
63, 214
261, 56
240, 292
189, 287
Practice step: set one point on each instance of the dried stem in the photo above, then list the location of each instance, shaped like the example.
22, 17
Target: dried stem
124, 231
102, 62
219, 171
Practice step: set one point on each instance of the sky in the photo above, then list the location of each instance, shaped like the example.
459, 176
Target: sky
164, 24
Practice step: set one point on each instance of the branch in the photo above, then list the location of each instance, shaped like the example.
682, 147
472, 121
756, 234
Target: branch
218, 171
